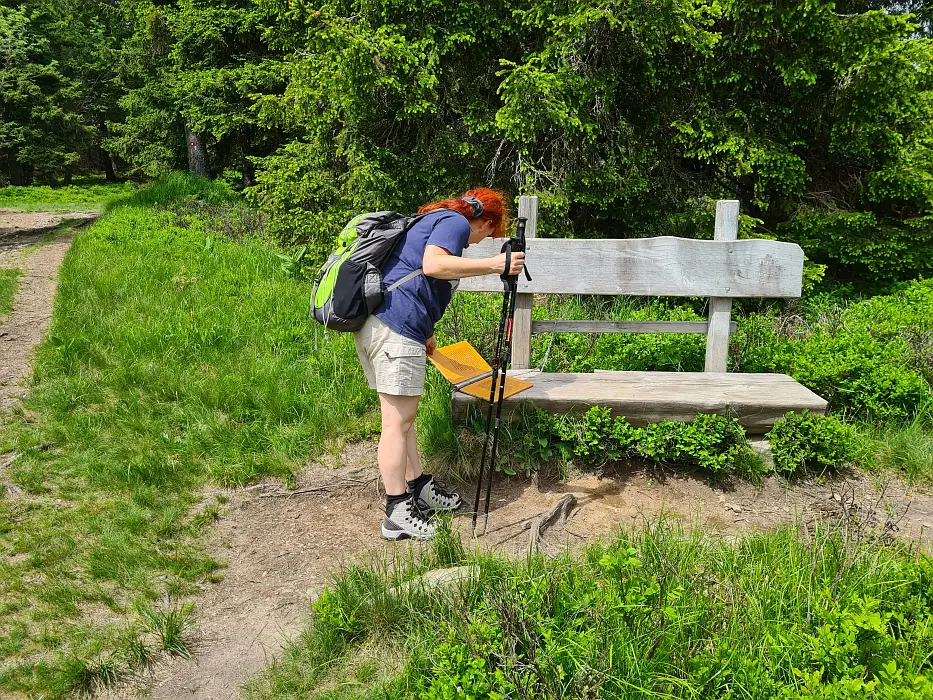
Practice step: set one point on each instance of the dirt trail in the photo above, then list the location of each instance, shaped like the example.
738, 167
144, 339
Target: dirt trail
26, 325
282, 548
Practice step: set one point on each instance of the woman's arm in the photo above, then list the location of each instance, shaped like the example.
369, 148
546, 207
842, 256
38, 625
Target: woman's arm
440, 264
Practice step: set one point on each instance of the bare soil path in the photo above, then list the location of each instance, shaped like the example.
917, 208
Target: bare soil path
25, 327
282, 546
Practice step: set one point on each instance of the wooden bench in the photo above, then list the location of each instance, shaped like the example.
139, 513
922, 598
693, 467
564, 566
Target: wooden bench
721, 269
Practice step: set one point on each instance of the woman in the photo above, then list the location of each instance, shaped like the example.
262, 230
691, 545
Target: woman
393, 344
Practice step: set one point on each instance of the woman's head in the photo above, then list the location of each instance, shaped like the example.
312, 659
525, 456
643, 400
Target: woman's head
480, 206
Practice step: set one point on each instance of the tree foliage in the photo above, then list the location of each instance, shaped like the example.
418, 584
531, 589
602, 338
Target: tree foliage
627, 117
58, 85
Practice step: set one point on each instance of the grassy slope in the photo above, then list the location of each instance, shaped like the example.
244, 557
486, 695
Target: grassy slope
174, 359
656, 614
9, 280
45, 198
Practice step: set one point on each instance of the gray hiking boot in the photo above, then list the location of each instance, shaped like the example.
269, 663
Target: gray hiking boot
408, 519
434, 497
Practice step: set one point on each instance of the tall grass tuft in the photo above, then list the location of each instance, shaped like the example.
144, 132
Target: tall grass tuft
654, 613
173, 627
171, 188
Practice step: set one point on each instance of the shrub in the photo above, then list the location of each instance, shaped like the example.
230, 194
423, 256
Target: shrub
713, 444
872, 359
810, 442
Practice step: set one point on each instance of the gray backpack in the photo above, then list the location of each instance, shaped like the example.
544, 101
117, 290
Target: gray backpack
349, 287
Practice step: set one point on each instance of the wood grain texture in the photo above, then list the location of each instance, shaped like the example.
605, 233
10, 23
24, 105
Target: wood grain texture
757, 400
572, 326
720, 308
521, 327
663, 266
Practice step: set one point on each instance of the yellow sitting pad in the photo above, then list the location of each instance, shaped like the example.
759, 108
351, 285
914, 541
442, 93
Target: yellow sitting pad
481, 388
461, 362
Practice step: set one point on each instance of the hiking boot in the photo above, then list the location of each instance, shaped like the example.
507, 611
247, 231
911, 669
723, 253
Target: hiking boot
408, 519
433, 495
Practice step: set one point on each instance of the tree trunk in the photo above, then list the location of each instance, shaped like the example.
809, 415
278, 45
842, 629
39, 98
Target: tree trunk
197, 153
108, 166
249, 173
247, 169
67, 179
17, 173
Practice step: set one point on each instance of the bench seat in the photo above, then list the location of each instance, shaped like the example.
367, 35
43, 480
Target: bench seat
757, 400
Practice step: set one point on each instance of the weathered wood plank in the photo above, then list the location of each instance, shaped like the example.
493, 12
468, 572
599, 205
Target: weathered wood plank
571, 326
663, 266
521, 326
757, 400
720, 307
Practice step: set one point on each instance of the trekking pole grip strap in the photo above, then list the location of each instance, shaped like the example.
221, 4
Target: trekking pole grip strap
507, 248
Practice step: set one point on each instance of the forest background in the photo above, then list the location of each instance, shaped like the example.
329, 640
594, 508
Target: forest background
626, 118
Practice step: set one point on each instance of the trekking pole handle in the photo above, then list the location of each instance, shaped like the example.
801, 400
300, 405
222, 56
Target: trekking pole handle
516, 244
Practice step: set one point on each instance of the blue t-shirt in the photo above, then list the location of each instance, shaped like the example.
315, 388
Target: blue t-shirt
413, 308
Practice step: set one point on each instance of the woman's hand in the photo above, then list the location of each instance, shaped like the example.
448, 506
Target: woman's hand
518, 263
431, 345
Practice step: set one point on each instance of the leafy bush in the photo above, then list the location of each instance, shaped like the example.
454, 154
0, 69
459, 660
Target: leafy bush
642, 352
872, 359
713, 444
810, 442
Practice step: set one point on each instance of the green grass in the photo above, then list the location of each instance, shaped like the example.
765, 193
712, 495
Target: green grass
46, 198
656, 613
175, 358
174, 187
906, 448
9, 281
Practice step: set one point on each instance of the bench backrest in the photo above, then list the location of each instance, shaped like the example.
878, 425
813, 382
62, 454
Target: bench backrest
721, 269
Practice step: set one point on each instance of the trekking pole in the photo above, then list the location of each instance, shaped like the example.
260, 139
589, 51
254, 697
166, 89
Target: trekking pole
500, 367
492, 397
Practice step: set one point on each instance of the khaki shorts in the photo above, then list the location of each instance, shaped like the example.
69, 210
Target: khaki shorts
392, 363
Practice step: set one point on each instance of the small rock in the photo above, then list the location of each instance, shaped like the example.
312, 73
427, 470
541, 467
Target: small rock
441, 579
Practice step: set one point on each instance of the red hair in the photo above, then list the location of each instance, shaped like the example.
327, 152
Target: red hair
494, 204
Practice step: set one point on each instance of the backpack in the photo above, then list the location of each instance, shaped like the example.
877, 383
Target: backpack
349, 287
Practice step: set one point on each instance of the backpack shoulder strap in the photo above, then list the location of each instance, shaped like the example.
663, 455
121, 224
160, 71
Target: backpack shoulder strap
410, 276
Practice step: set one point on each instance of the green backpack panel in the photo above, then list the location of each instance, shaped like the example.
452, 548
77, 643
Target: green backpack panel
349, 286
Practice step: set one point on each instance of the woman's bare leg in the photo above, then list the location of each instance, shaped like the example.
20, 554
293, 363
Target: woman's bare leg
398, 420
414, 459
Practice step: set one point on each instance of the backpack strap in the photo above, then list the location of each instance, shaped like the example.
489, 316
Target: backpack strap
410, 276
